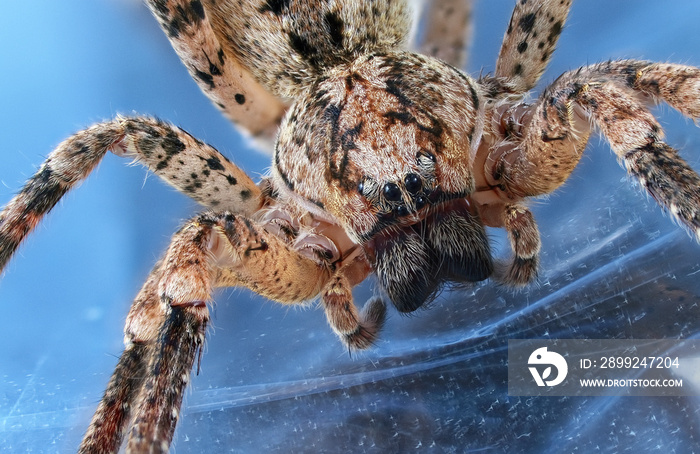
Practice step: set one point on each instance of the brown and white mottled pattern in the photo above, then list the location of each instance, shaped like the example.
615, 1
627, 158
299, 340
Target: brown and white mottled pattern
538, 156
530, 40
446, 29
219, 73
289, 44
186, 163
387, 162
525, 242
387, 116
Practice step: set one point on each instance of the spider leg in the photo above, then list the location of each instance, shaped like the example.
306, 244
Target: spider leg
172, 320
180, 339
545, 142
274, 271
189, 165
167, 322
114, 411
524, 237
356, 329
446, 31
529, 42
217, 71
162, 337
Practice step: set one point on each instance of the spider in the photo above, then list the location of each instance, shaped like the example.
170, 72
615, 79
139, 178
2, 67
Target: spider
386, 162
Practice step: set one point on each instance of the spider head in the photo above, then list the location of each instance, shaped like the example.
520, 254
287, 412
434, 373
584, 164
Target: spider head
384, 148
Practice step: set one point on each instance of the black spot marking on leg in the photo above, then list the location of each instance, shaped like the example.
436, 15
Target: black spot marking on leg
44, 190
304, 48
213, 69
198, 9
527, 22
554, 32
161, 8
146, 145
205, 77
240, 98
172, 145
213, 162
173, 28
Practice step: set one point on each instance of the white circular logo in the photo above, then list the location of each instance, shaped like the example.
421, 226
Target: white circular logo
542, 357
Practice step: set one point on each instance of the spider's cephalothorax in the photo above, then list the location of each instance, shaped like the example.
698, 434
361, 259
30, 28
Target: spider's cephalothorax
386, 162
382, 147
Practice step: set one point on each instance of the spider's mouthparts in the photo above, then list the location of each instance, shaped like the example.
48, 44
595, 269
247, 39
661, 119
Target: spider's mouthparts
413, 261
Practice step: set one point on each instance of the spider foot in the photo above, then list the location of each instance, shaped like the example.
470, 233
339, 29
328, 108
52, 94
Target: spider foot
65, 167
525, 242
357, 330
518, 272
114, 412
370, 323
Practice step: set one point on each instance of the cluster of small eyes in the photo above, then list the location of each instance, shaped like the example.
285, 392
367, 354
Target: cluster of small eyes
417, 186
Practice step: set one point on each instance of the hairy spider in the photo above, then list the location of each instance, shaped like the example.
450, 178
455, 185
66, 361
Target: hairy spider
387, 162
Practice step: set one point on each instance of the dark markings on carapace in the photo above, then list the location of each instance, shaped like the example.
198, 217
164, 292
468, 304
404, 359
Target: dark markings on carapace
274, 6
336, 28
304, 48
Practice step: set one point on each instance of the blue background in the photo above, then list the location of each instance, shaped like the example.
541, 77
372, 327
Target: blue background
275, 378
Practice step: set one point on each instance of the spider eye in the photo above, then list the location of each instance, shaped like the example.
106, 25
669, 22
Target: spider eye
402, 210
413, 183
420, 202
392, 192
361, 187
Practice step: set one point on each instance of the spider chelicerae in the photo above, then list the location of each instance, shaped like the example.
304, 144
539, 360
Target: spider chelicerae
415, 203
